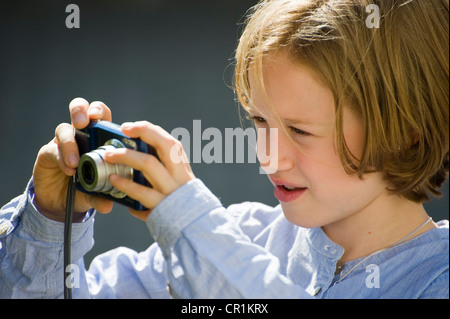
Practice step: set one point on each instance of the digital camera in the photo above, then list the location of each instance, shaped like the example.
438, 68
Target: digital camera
93, 171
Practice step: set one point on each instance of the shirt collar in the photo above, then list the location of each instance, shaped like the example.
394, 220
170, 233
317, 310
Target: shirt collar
322, 244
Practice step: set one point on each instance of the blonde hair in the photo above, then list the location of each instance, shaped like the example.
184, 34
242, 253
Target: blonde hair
395, 77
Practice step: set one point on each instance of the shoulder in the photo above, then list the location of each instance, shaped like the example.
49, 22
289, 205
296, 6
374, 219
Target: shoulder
429, 247
438, 288
437, 240
425, 260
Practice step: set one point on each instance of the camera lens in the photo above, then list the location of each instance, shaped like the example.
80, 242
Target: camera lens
94, 172
88, 173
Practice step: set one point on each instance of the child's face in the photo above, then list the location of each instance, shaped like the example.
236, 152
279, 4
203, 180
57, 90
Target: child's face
324, 192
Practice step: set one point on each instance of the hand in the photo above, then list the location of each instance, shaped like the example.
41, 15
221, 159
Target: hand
165, 176
58, 160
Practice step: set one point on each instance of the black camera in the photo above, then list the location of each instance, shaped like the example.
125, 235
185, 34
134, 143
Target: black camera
93, 171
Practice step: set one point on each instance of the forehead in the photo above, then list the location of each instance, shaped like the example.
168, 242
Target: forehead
290, 89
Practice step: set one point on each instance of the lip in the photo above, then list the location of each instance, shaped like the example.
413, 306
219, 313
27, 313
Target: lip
284, 195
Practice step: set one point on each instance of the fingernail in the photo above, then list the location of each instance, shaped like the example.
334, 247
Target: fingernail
113, 177
79, 117
94, 110
73, 160
127, 125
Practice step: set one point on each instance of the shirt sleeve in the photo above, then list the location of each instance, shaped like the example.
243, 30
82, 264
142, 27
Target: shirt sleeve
31, 250
207, 253
31, 259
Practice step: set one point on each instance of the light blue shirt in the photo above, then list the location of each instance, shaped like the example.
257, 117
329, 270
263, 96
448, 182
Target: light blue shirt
204, 250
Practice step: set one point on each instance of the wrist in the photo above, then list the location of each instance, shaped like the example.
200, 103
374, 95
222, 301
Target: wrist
50, 229
57, 216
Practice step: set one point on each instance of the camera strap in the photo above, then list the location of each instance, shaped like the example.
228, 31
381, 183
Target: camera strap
70, 200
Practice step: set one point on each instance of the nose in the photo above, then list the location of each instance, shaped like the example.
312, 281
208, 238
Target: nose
273, 150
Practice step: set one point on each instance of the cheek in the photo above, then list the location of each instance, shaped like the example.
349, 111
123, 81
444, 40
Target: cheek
320, 162
267, 148
323, 164
326, 176
345, 194
262, 142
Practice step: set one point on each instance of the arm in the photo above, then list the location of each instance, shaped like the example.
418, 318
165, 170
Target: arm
207, 254
31, 226
31, 250
31, 259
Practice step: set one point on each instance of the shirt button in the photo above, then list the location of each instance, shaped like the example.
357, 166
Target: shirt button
330, 249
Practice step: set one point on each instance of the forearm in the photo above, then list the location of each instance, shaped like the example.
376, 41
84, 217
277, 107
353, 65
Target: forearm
208, 255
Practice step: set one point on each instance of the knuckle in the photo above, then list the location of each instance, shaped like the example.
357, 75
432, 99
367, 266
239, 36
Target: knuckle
48, 150
98, 109
143, 124
140, 190
61, 128
119, 153
177, 143
149, 161
173, 143
98, 104
45, 149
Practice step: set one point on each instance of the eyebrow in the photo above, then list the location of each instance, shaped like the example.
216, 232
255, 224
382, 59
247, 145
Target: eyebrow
288, 121
292, 121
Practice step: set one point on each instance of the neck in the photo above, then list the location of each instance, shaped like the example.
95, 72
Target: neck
379, 225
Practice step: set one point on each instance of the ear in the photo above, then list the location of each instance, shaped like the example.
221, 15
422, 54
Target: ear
414, 138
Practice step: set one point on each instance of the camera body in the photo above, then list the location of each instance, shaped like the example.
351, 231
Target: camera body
93, 171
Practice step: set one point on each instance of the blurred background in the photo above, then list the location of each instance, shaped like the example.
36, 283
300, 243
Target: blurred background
166, 61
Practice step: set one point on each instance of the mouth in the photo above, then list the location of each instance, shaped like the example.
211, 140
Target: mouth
289, 188
286, 192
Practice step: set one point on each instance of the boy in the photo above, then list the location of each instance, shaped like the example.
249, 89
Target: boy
362, 121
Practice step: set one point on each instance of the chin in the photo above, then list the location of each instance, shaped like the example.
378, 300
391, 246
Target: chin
306, 220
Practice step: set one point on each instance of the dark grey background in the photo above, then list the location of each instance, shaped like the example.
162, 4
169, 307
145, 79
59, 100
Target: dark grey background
168, 62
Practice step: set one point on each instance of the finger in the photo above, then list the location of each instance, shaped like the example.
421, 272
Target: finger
84, 202
148, 197
100, 204
141, 214
149, 165
78, 109
99, 111
65, 138
81, 112
50, 155
169, 149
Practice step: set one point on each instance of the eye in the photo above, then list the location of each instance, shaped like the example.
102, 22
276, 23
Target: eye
299, 131
257, 119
